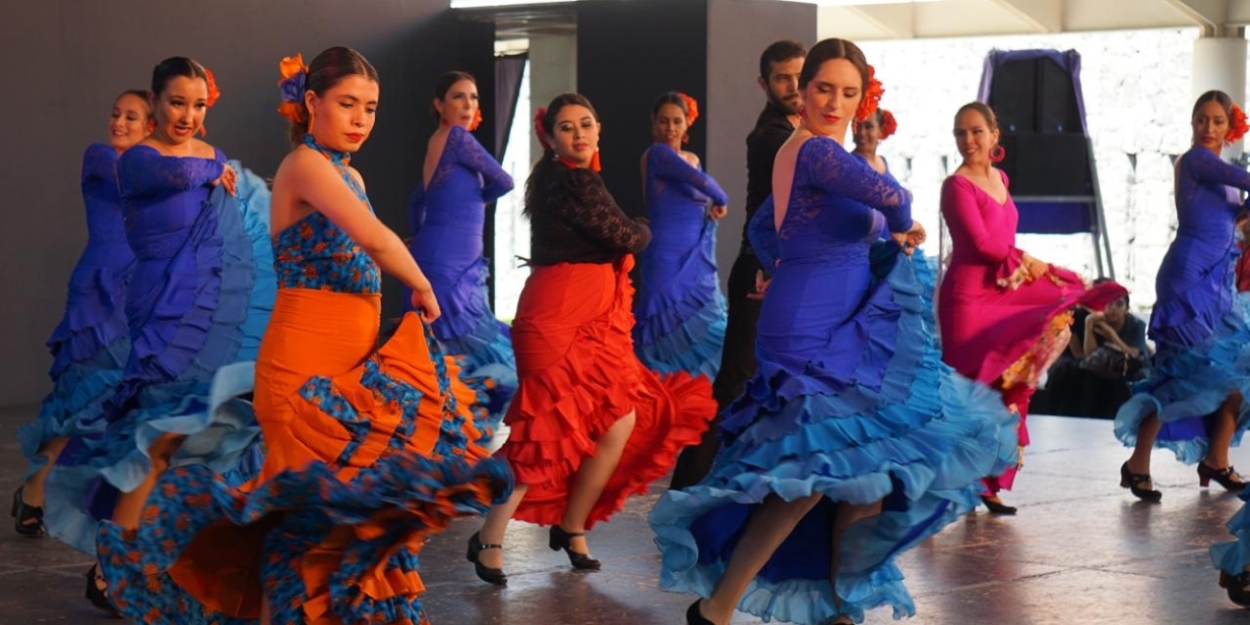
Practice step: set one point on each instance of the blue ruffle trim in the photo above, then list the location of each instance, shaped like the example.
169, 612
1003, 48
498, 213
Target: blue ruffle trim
694, 344
415, 495
1234, 557
921, 443
1190, 385
206, 402
488, 366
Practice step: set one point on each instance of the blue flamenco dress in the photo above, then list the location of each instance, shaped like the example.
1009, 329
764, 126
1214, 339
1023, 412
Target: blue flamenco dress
851, 401
1200, 325
680, 310
446, 216
369, 452
90, 345
200, 295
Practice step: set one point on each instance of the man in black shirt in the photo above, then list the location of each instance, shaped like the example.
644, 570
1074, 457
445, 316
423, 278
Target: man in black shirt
780, 65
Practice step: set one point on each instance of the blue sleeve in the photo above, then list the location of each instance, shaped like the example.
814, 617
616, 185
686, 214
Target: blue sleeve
1205, 167
839, 172
99, 162
144, 172
416, 210
665, 164
762, 232
468, 152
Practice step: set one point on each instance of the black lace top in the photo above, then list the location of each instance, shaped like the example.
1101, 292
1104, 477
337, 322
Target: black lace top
575, 220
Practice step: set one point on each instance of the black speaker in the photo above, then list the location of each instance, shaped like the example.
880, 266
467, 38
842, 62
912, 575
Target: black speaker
1047, 164
1035, 96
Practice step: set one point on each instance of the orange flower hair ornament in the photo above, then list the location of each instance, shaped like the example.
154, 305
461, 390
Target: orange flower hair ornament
692, 113
1237, 126
477, 120
872, 97
291, 86
540, 131
213, 94
889, 125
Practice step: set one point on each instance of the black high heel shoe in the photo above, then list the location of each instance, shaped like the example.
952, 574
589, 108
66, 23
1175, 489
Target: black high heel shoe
560, 539
485, 573
1133, 482
1227, 478
100, 598
29, 518
695, 617
996, 506
1238, 587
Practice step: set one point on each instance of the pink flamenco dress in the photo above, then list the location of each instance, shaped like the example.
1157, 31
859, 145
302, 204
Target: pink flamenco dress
999, 325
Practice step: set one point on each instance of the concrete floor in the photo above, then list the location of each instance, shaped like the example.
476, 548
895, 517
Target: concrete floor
1081, 551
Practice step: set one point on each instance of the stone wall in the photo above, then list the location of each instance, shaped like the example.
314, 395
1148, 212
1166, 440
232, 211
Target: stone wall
1137, 97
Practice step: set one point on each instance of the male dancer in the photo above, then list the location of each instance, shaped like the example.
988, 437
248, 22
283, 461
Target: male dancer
780, 65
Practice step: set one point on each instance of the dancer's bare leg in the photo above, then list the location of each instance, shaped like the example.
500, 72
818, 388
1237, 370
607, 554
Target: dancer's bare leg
592, 476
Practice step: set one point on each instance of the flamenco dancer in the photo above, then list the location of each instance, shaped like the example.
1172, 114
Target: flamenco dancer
1005, 316
199, 297
1192, 403
590, 425
868, 137
368, 451
446, 215
779, 68
853, 442
91, 343
680, 311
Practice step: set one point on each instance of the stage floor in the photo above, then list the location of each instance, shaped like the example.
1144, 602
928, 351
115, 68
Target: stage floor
1081, 551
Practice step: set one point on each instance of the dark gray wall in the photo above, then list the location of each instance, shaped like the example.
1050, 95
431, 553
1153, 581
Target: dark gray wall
67, 59
737, 32
628, 53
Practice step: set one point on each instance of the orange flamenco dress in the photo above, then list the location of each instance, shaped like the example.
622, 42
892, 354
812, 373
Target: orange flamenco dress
368, 452
576, 365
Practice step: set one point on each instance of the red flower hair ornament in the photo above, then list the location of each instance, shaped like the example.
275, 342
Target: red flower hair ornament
889, 125
1237, 126
692, 113
540, 131
872, 97
291, 88
214, 93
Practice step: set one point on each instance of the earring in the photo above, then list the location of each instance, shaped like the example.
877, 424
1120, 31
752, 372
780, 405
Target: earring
997, 154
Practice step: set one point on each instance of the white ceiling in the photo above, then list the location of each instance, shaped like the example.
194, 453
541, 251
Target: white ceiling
909, 19
962, 18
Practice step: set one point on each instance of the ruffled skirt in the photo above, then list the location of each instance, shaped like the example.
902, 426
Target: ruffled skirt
920, 441
364, 462
189, 377
1187, 386
578, 375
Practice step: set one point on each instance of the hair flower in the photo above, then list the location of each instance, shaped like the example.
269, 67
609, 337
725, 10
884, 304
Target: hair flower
872, 97
540, 130
1237, 126
213, 92
889, 125
692, 113
291, 86
477, 119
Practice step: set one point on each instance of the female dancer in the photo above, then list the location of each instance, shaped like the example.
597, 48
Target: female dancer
590, 425
90, 345
868, 136
446, 214
852, 442
1005, 316
368, 452
198, 300
1193, 401
680, 310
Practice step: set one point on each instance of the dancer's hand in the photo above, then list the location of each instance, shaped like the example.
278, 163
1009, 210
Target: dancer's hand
717, 212
426, 305
761, 285
228, 178
1035, 267
911, 239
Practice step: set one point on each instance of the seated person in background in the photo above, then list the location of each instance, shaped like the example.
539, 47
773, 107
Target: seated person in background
1107, 351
